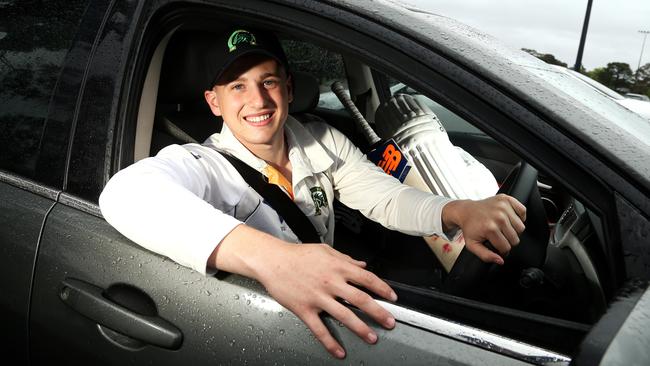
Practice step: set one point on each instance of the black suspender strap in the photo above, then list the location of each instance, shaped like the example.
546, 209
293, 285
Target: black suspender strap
276, 198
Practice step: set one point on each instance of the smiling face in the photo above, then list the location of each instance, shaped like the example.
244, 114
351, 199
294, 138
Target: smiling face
253, 98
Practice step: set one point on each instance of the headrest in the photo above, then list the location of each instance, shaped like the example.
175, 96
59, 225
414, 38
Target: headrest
185, 73
305, 92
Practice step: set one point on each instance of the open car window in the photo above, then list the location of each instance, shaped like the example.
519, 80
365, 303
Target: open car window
324, 64
451, 121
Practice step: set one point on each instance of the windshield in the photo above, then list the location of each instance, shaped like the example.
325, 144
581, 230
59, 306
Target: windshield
597, 101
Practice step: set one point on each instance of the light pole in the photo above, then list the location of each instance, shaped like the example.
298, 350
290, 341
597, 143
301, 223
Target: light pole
645, 34
583, 36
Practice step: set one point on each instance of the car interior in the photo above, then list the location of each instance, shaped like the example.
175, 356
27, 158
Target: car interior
554, 283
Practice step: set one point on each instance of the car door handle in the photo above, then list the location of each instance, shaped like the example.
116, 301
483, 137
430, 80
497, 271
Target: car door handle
89, 300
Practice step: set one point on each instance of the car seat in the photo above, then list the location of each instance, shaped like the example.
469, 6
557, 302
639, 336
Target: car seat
183, 116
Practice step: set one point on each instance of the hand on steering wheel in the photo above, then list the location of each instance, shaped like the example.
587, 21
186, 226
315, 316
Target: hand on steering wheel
470, 271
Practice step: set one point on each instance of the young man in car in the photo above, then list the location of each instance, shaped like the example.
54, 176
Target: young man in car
190, 204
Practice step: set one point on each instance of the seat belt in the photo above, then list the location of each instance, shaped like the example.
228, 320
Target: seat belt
278, 200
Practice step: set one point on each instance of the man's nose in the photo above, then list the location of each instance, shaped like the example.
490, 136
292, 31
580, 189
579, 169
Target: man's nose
259, 96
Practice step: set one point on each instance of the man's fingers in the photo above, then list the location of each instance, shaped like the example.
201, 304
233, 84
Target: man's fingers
499, 242
485, 254
347, 258
323, 334
368, 305
510, 235
346, 316
517, 224
519, 208
373, 283
517, 216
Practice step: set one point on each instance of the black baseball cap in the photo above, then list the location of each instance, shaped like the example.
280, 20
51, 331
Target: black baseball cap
238, 42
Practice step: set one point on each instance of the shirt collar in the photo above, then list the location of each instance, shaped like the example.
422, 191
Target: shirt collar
304, 149
306, 154
227, 142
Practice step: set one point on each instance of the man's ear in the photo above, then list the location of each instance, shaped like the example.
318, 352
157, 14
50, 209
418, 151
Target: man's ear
289, 89
213, 101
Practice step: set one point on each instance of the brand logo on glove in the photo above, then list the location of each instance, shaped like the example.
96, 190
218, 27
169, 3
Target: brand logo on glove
389, 157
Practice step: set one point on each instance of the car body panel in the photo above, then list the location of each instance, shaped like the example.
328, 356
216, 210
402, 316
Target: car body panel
630, 347
637, 106
22, 213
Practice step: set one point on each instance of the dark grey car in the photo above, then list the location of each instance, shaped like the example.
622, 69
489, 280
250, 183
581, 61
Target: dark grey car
89, 87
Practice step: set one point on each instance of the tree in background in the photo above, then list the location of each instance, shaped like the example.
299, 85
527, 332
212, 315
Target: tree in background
642, 80
547, 57
617, 75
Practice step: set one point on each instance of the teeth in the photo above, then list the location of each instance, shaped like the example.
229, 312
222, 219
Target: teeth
258, 118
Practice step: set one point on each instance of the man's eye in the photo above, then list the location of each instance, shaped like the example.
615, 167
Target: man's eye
270, 83
237, 87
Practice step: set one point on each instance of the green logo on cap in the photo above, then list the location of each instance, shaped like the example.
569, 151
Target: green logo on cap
240, 36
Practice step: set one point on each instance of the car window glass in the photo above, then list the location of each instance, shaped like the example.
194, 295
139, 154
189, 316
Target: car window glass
451, 121
34, 40
325, 65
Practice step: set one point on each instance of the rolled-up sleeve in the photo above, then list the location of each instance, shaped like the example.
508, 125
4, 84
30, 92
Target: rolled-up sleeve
160, 204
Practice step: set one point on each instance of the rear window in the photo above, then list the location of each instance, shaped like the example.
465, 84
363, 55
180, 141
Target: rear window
34, 40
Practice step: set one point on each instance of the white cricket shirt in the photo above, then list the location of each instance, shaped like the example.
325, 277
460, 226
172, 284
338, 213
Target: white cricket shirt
185, 200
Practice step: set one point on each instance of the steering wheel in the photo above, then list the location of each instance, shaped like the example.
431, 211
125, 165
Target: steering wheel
469, 271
